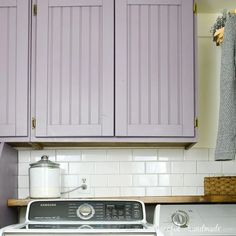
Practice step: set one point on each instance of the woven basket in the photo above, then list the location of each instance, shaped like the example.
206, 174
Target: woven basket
220, 185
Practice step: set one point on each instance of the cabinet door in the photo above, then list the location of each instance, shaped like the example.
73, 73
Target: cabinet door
74, 68
13, 67
154, 68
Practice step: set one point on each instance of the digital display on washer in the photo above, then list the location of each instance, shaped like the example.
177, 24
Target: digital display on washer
86, 211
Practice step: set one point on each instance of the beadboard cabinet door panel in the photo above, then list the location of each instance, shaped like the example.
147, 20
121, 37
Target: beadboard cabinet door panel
154, 68
14, 67
75, 68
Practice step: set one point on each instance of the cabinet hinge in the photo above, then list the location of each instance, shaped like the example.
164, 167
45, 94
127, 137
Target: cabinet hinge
195, 8
33, 123
196, 123
35, 10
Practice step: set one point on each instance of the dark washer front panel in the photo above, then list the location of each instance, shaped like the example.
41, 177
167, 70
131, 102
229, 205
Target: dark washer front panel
86, 211
85, 226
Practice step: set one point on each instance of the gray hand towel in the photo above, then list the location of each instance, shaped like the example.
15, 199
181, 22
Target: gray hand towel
226, 138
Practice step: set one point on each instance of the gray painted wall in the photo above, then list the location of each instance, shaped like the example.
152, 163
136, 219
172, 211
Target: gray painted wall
8, 184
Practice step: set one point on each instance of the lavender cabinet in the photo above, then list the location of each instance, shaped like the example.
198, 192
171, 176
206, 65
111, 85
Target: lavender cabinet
74, 68
85, 82
14, 21
154, 80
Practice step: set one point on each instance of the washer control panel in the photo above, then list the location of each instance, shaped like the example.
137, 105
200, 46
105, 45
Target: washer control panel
90, 210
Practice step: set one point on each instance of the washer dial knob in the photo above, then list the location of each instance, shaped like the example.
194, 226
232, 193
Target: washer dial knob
85, 211
180, 218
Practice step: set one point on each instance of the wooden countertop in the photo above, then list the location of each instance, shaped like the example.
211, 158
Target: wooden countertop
151, 200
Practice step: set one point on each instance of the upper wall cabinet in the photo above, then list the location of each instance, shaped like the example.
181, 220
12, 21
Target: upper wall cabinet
75, 68
99, 68
14, 21
154, 68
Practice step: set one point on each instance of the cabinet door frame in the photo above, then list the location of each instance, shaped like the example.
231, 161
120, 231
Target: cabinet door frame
17, 105
105, 128
186, 127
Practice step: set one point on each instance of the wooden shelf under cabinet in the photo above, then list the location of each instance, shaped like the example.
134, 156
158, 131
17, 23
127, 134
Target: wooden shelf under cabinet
151, 200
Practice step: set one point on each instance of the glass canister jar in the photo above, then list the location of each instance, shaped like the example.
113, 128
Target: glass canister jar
44, 179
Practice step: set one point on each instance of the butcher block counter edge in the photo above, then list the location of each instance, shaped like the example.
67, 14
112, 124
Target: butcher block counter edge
149, 200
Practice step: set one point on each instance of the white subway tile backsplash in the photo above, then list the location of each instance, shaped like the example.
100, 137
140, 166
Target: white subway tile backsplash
157, 167
119, 180
229, 167
128, 172
23, 181
209, 167
145, 180
107, 192
194, 179
197, 154
215, 175
70, 181
68, 155
24, 156
171, 180
229, 174
106, 168
144, 154
23, 168
99, 180
170, 154
23, 193
36, 155
179, 191
183, 167
132, 191
132, 167
200, 190
64, 168
81, 168
158, 191
119, 155
94, 155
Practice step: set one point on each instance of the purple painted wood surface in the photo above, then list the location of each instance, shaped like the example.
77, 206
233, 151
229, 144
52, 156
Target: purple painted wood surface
154, 68
14, 67
75, 68
8, 184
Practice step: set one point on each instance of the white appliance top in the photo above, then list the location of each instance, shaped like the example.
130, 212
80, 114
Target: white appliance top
196, 220
83, 216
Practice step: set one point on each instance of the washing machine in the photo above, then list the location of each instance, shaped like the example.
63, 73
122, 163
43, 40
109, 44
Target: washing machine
196, 219
83, 217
